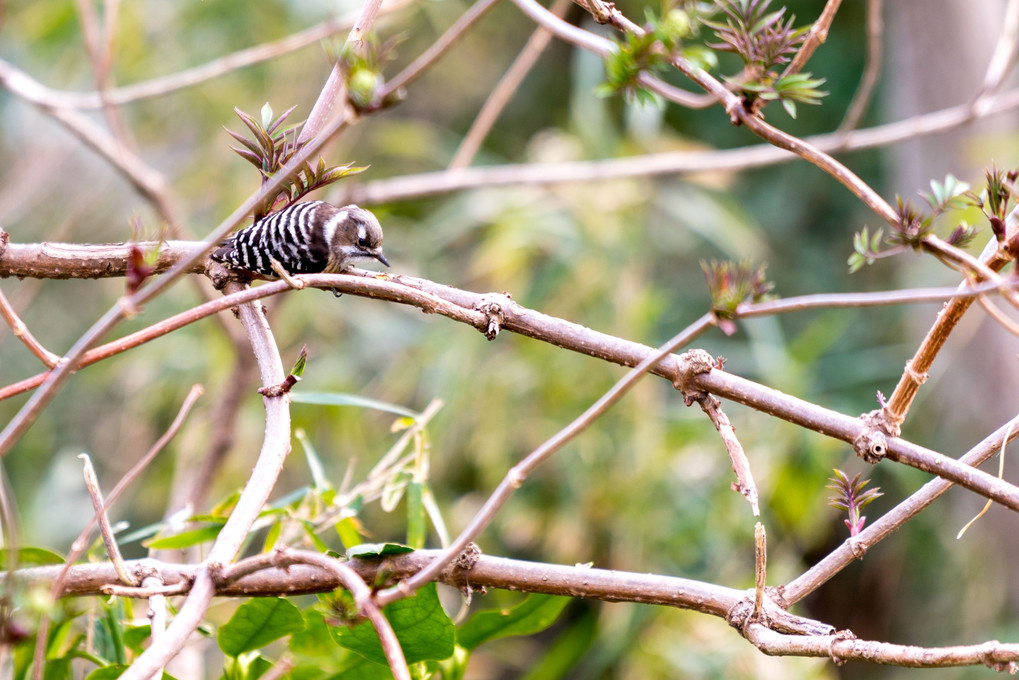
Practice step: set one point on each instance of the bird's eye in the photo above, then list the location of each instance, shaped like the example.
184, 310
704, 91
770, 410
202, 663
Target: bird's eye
362, 242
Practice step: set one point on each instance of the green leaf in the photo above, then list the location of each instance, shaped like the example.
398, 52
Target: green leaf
29, 557
536, 613
266, 115
344, 399
314, 645
184, 539
258, 622
421, 625
377, 550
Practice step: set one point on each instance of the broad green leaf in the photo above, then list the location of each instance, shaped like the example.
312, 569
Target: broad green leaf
536, 613
343, 399
258, 622
377, 550
314, 645
421, 626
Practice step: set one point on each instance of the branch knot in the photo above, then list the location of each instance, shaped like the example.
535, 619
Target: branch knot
872, 442
492, 306
691, 364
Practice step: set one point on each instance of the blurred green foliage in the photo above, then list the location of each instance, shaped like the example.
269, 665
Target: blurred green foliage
646, 488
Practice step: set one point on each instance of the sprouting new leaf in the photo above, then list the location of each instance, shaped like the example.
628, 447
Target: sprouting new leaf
947, 194
302, 359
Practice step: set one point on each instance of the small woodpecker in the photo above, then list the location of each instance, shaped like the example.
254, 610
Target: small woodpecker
306, 238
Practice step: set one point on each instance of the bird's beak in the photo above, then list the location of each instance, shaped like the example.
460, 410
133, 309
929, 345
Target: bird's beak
381, 258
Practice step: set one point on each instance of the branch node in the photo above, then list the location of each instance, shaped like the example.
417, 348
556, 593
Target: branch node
5, 239
469, 557
492, 307
282, 388
130, 309
220, 275
692, 363
872, 442
600, 11
857, 548
839, 636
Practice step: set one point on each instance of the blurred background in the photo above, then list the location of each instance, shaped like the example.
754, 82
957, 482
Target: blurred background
647, 488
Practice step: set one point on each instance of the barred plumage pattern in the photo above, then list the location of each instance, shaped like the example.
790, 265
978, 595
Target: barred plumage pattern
305, 238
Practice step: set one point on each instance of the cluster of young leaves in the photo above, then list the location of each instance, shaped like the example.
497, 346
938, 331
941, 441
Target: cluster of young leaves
272, 146
651, 52
363, 65
730, 285
913, 227
996, 198
851, 496
765, 40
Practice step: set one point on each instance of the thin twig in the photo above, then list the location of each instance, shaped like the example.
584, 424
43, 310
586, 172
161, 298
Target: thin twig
871, 67
22, 333
100, 53
841, 648
503, 91
1001, 475
995, 313
105, 530
760, 568
744, 483
815, 38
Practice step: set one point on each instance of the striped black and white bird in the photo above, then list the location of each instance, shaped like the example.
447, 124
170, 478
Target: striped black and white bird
306, 238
